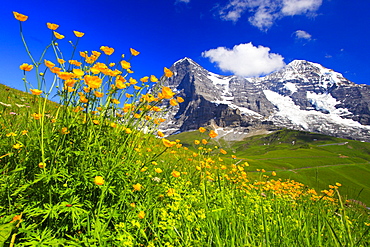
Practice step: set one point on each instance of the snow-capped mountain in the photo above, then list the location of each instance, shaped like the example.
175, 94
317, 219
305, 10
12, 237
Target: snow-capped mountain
302, 96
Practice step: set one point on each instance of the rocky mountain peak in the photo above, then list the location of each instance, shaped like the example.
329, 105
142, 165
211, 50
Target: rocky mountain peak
303, 96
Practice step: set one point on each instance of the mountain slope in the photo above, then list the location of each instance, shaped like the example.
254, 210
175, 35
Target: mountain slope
302, 96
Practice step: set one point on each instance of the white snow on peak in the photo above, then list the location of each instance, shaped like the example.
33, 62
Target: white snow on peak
326, 102
289, 110
186, 59
291, 87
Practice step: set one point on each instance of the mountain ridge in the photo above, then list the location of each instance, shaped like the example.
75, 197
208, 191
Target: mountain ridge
302, 96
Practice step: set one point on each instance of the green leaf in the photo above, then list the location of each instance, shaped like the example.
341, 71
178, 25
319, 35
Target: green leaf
5, 232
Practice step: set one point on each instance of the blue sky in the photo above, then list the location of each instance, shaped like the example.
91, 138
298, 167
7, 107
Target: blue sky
243, 37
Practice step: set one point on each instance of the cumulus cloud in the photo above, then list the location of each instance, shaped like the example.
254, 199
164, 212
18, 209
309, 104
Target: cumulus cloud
245, 60
300, 34
182, 1
263, 13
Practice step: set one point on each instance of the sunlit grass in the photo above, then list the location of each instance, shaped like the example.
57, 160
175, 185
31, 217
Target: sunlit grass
94, 171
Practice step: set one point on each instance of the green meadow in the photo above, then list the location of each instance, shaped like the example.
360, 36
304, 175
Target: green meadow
93, 169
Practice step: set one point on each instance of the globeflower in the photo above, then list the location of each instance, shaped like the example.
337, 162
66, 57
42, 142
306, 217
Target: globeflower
137, 187
213, 134
167, 93
202, 130
141, 215
167, 72
176, 174
99, 180
93, 81
134, 52
107, 50
19, 16
52, 26
78, 34
36, 91
58, 35
26, 67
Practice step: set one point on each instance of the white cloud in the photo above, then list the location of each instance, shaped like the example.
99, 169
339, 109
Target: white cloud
182, 1
245, 60
297, 7
300, 34
265, 12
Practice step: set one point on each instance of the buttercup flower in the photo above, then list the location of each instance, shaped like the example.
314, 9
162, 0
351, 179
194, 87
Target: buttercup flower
99, 180
19, 16
153, 78
176, 174
42, 165
125, 64
212, 134
167, 93
134, 52
52, 26
137, 187
36, 91
78, 34
93, 81
202, 130
167, 72
26, 67
141, 215
49, 64
58, 35
158, 170
107, 50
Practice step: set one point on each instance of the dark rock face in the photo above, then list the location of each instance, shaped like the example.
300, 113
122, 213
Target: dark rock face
303, 96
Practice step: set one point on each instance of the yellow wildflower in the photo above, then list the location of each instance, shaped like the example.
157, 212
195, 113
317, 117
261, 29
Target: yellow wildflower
26, 67
36, 91
125, 64
19, 16
134, 52
153, 78
93, 81
99, 180
42, 165
58, 35
158, 170
173, 102
107, 50
98, 94
17, 146
141, 215
137, 187
52, 26
212, 134
167, 72
176, 174
78, 34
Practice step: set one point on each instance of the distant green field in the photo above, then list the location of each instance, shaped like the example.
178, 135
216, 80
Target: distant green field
312, 159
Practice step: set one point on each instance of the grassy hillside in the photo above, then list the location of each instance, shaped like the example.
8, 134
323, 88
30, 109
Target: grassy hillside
313, 159
94, 170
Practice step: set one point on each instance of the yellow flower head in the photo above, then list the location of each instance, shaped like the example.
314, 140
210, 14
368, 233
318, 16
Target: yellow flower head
26, 67
134, 52
49, 64
173, 102
176, 174
125, 64
78, 34
153, 78
213, 134
58, 35
107, 50
42, 165
93, 81
137, 187
36, 91
202, 130
141, 215
180, 99
167, 72
167, 93
17, 146
98, 94
99, 180
168, 143
19, 16
158, 170
52, 26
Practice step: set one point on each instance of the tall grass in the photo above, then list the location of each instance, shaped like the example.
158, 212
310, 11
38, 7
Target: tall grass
93, 171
